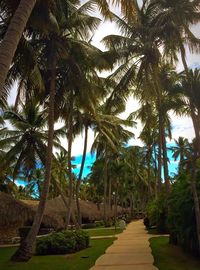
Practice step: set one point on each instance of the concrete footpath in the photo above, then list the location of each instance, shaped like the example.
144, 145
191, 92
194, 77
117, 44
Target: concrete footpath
131, 251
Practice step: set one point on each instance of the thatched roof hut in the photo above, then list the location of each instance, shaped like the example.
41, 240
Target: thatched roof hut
89, 210
15, 214
56, 208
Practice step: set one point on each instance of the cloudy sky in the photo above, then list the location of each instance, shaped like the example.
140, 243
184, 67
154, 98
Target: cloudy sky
181, 126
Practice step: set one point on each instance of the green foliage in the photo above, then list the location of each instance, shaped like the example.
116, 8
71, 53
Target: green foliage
156, 213
181, 219
62, 243
89, 226
99, 223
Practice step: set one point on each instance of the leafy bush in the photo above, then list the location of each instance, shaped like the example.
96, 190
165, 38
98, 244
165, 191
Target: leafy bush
89, 226
181, 218
62, 243
108, 223
156, 214
99, 223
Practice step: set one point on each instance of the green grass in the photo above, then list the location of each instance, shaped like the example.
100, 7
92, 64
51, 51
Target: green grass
82, 260
170, 257
103, 231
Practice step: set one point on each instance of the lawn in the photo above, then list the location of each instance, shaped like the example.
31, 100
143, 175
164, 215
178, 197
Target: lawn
82, 260
103, 231
170, 257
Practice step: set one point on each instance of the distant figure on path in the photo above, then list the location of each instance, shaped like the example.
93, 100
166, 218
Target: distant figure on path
122, 224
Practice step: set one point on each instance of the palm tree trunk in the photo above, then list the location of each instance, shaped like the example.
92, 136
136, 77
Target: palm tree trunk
160, 156
109, 194
196, 125
80, 176
155, 171
149, 170
165, 161
12, 37
64, 198
24, 252
160, 120
105, 192
70, 134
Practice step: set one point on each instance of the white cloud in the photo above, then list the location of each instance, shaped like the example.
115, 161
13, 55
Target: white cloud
181, 126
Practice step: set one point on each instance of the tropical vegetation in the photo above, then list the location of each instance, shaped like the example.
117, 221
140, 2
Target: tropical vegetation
47, 53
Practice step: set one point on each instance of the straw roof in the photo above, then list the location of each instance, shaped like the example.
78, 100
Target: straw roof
56, 207
16, 213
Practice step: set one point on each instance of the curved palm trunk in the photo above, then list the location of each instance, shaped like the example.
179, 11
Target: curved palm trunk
12, 37
80, 176
24, 252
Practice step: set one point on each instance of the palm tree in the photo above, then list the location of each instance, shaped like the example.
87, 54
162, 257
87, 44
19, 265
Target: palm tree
26, 140
174, 31
138, 51
181, 150
12, 37
22, 13
188, 102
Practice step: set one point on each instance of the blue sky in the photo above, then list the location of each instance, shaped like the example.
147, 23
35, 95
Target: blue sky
172, 165
88, 163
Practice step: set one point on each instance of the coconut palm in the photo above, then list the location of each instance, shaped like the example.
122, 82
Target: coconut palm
21, 14
138, 51
13, 35
181, 150
174, 31
25, 141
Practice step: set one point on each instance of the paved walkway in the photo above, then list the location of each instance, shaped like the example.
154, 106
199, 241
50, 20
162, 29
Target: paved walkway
131, 251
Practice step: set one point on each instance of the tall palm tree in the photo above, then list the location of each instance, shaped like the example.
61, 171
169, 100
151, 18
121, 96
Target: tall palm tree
174, 31
12, 36
138, 51
21, 15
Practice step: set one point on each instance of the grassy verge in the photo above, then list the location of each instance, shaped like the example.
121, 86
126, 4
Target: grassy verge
169, 257
82, 260
103, 231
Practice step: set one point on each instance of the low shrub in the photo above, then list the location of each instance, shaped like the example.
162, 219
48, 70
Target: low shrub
99, 223
181, 217
64, 242
156, 214
88, 226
